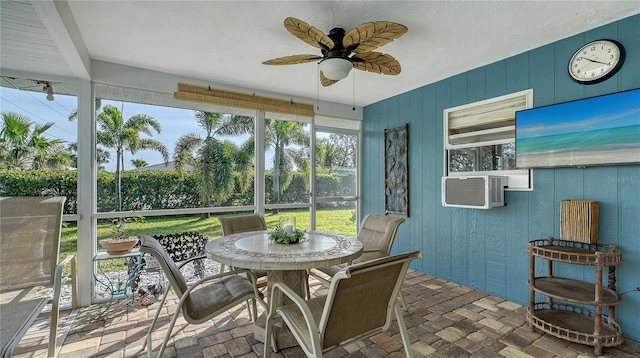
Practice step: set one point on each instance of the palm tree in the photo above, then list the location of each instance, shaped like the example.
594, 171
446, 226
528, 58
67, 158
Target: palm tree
280, 135
102, 156
24, 148
217, 162
138, 163
116, 133
327, 154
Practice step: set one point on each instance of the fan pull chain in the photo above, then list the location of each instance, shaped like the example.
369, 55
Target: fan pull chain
318, 88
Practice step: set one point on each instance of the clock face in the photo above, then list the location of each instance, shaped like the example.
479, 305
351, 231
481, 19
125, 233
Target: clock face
596, 61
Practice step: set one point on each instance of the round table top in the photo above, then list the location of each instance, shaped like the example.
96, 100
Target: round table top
253, 250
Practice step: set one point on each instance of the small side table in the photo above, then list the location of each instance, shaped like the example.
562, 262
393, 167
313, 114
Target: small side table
116, 286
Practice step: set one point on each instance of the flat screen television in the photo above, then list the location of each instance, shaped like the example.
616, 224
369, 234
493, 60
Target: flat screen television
602, 130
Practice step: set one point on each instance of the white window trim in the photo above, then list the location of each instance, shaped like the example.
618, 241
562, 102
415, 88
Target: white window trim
497, 109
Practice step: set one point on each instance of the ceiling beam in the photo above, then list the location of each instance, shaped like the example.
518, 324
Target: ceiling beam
56, 16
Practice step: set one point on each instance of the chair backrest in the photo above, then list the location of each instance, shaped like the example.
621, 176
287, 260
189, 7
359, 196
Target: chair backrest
236, 224
362, 298
151, 246
30, 230
377, 233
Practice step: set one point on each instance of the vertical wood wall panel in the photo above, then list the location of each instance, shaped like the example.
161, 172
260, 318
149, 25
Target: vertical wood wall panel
541, 69
417, 160
476, 84
628, 182
516, 239
442, 217
569, 185
403, 241
458, 220
628, 34
486, 249
495, 248
496, 79
517, 73
431, 170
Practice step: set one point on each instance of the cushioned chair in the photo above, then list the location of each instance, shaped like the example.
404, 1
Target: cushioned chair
377, 234
30, 276
359, 304
202, 300
236, 224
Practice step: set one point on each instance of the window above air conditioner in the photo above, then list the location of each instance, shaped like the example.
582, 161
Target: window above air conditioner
479, 138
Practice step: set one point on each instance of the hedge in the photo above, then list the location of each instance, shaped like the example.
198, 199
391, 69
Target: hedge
154, 190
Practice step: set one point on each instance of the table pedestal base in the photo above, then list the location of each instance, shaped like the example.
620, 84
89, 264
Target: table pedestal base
296, 281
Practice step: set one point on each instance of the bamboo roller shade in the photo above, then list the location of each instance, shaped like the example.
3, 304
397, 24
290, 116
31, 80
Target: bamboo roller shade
204, 94
579, 221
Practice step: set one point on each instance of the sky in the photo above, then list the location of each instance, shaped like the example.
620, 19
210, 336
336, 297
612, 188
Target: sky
602, 112
175, 122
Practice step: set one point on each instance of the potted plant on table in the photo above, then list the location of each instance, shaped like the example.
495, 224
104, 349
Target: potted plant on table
123, 242
286, 235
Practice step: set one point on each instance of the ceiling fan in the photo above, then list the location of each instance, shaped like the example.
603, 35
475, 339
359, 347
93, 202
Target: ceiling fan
343, 51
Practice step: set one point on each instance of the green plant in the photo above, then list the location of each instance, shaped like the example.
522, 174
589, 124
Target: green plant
280, 236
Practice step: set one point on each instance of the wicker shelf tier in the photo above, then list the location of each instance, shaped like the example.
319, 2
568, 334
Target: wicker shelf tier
575, 324
563, 319
574, 291
575, 252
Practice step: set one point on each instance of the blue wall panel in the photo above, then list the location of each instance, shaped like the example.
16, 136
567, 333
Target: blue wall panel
487, 249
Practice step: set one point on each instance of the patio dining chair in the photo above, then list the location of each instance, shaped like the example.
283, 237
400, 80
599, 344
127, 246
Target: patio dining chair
359, 304
377, 233
30, 276
235, 224
202, 300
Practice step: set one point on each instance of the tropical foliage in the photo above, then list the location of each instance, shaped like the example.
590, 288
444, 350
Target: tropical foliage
126, 136
139, 163
289, 141
23, 145
217, 162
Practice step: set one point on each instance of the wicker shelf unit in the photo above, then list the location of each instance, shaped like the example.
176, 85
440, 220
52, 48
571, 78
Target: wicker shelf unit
566, 313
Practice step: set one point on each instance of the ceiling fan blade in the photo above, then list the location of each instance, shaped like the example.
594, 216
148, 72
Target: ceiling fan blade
376, 62
292, 60
308, 33
325, 81
371, 35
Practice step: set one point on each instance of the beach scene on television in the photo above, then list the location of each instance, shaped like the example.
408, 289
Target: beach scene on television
594, 131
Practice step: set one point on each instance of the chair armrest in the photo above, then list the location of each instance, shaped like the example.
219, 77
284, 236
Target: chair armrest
276, 292
191, 259
379, 251
57, 280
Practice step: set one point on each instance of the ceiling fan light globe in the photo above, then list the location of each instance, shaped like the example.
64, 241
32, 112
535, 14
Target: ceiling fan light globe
336, 68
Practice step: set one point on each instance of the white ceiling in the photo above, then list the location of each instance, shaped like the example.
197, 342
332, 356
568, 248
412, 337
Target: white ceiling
224, 42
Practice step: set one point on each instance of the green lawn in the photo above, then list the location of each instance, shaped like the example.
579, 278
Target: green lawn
338, 221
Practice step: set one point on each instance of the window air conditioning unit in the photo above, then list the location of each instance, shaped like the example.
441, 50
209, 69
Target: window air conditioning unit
476, 192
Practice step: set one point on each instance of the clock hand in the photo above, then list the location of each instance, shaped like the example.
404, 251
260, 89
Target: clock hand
588, 59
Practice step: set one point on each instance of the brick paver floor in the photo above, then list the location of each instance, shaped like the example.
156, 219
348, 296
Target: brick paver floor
444, 320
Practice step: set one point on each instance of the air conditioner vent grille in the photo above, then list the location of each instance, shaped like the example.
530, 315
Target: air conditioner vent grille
478, 192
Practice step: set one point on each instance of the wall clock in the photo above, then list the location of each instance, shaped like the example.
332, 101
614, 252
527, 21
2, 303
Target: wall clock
596, 61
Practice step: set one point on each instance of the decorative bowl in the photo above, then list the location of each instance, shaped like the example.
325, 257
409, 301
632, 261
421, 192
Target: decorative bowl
119, 245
